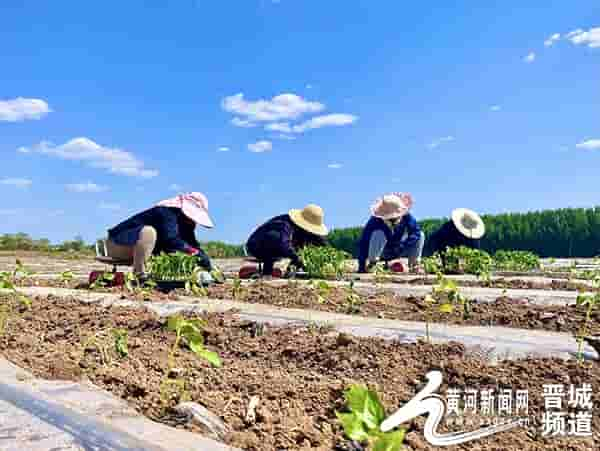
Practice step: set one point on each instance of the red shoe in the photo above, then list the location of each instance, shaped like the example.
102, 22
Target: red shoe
397, 267
113, 279
277, 273
248, 271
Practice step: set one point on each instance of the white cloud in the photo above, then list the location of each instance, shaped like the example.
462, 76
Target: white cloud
9, 212
552, 40
86, 187
175, 187
17, 182
281, 107
334, 166
109, 206
530, 58
286, 137
260, 146
590, 144
309, 86
21, 109
327, 120
114, 160
591, 38
495, 108
243, 123
283, 127
223, 149
438, 142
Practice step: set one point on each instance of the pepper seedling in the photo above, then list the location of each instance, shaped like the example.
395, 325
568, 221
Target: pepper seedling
590, 301
120, 337
323, 262
363, 420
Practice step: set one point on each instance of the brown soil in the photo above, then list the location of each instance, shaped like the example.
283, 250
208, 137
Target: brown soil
299, 375
507, 312
517, 313
554, 284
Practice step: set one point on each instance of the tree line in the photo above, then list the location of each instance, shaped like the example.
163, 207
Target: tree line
566, 232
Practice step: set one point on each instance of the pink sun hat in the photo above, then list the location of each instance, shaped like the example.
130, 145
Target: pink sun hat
392, 205
193, 205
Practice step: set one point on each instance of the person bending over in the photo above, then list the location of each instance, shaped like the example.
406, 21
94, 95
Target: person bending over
167, 227
282, 236
391, 232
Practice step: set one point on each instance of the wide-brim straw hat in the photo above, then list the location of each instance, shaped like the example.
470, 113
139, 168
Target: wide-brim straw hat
193, 205
392, 206
310, 218
468, 223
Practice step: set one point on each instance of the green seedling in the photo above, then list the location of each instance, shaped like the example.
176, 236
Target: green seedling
466, 260
381, 273
322, 262
191, 332
120, 337
170, 267
323, 290
5, 312
433, 264
9, 281
446, 292
237, 289
516, 260
353, 300
98, 341
66, 277
193, 284
363, 420
102, 281
589, 301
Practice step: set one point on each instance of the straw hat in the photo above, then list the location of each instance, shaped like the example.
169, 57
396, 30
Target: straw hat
193, 205
391, 206
310, 218
468, 223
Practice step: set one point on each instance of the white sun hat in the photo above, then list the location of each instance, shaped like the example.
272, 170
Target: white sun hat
468, 223
193, 205
392, 206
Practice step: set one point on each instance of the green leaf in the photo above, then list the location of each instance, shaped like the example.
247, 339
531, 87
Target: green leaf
446, 308
212, 357
389, 441
353, 426
366, 405
174, 323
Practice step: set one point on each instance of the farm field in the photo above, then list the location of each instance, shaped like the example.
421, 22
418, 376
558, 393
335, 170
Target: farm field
290, 348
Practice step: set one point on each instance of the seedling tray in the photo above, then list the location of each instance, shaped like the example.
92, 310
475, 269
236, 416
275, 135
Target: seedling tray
166, 286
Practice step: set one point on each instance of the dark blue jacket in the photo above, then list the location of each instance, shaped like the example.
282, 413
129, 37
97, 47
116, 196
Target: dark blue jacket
395, 245
279, 238
174, 231
448, 236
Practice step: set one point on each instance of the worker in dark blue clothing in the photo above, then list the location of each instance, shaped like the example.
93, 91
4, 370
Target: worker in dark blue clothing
391, 233
465, 228
167, 227
282, 236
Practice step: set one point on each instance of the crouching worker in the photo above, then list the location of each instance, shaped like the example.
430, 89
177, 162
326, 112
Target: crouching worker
167, 227
282, 236
391, 232
465, 228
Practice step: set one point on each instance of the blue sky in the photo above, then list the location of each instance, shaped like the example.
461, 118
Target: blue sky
109, 107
